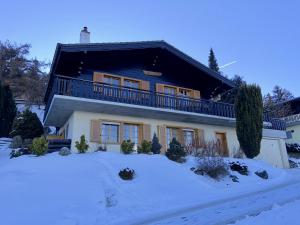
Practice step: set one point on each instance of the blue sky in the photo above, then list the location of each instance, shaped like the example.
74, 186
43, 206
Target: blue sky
262, 36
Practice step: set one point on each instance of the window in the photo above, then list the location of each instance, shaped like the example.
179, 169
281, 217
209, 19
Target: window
131, 132
169, 90
112, 80
131, 83
110, 133
184, 92
188, 137
171, 133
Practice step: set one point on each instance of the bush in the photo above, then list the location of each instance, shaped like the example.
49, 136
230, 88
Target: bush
249, 119
293, 164
64, 151
27, 143
16, 142
293, 147
127, 174
15, 154
210, 162
145, 147
239, 167
176, 151
39, 146
82, 146
156, 146
27, 125
127, 146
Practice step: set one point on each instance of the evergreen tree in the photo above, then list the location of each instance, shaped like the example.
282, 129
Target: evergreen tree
176, 151
229, 96
249, 119
27, 125
212, 61
8, 111
156, 146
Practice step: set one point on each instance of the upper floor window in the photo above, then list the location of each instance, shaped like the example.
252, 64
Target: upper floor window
112, 80
169, 90
184, 92
131, 83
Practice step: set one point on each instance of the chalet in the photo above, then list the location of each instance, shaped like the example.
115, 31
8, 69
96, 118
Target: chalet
112, 92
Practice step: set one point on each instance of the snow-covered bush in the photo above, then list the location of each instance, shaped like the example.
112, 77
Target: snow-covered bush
64, 151
127, 146
127, 174
27, 143
293, 164
15, 153
145, 147
262, 174
156, 146
210, 162
39, 146
81, 145
176, 151
239, 167
293, 147
16, 142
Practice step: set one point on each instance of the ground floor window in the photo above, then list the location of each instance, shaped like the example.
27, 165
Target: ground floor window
171, 133
188, 137
131, 132
110, 133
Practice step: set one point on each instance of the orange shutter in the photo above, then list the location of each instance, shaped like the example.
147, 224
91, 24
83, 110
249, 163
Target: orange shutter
196, 94
145, 85
147, 132
180, 136
162, 137
160, 88
95, 131
98, 77
199, 136
121, 133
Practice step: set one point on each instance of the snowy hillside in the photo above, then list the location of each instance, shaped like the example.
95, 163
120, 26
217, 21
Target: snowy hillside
86, 189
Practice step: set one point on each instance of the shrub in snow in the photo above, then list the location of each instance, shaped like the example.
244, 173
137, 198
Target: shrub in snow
101, 148
263, 174
16, 142
27, 143
176, 151
64, 151
39, 146
293, 164
15, 153
145, 147
239, 167
81, 145
127, 146
156, 146
210, 162
127, 174
293, 147
27, 125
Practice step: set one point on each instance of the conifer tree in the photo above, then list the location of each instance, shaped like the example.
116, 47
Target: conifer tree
212, 61
249, 119
156, 146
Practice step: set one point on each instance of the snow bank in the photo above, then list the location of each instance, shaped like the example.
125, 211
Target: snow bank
86, 188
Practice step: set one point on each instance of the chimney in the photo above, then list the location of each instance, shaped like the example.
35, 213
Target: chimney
84, 36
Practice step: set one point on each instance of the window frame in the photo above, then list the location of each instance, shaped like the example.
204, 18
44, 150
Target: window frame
103, 124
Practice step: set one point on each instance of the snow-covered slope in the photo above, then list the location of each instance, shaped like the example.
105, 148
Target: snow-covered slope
86, 188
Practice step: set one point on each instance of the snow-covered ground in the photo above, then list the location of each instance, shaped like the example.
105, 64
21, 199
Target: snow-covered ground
86, 189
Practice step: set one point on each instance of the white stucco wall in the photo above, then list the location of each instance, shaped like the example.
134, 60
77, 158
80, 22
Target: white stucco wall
295, 135
272, 149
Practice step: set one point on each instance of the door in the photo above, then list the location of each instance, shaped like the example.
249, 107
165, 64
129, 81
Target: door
222, 143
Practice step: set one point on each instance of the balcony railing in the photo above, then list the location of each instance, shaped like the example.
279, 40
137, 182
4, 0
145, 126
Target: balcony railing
88, 89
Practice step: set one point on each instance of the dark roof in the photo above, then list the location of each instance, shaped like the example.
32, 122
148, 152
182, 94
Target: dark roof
133, 46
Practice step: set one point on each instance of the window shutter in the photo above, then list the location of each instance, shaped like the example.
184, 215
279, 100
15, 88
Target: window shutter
121, 133
95, 131
98, 77
161, 130
180, 136
196, 94
146, 132
160, 88
145, 85
199, 137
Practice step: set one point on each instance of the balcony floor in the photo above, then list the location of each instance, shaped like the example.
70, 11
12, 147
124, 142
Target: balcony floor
62, 107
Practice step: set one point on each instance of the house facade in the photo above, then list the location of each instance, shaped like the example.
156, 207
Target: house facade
118, 91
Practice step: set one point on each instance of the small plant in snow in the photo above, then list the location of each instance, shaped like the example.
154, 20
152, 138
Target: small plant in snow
145, 147
176, 151
39, 146
156, 146
81, 145
127, 146
64, 151
16, 142
239, 167
127, 174
15, 153
262, 174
